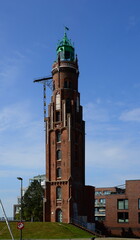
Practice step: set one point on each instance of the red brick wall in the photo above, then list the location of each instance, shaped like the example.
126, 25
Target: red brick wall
72, 147
132, 193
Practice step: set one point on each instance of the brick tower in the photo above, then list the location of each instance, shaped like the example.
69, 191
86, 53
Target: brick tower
67, 197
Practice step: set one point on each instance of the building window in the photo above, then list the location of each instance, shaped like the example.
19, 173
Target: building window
122, 204
62, 54
98, 193
58, 136
102, 210
58, 154
139, 203
102, 200
58, 215
57, 116
58, 172
96, 210
66, 84
123, 217
58, 193
96, 201
67, 55
107, 192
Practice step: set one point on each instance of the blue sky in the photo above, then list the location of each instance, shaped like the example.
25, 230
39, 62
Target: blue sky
106, 34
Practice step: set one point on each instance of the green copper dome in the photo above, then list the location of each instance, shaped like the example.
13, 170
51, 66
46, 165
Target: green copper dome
65, 49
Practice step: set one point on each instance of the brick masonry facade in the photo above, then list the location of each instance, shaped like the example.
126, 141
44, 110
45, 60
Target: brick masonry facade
67, 197
123, 220
122, 209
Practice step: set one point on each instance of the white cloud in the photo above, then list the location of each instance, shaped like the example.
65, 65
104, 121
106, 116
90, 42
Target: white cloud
22, 155
11, 68
22, 139
107, 153
132, 115
110, 163
14, 116
112, 147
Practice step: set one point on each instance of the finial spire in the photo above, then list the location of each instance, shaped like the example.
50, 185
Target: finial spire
65, 48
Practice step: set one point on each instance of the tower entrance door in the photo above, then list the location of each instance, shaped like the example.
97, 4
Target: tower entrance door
58, 215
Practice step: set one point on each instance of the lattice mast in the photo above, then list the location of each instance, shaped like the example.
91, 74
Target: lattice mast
46, 82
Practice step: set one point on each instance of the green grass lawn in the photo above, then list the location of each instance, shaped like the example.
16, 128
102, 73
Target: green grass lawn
43, 230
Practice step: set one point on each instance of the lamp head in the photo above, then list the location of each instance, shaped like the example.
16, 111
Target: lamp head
19, 178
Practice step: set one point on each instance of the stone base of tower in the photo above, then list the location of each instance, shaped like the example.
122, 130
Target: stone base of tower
72, 208
57, 208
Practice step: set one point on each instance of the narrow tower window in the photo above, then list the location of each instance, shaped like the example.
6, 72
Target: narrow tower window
57, 116
58, 136
58, 193
58, 172
77, 104
65, 84
68, 105
58, 154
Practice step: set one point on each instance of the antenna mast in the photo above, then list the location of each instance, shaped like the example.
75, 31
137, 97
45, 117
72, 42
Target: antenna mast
46, 82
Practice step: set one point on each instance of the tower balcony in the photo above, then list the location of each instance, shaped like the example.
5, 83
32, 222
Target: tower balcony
64, 65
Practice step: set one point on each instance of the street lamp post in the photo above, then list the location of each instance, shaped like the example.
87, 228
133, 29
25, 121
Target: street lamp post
19, 178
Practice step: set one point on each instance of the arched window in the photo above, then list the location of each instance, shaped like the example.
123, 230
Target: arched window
58, 172
58, 154
58, 136
58, 193
59, 215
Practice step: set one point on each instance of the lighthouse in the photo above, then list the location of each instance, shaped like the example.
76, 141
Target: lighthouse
67, 199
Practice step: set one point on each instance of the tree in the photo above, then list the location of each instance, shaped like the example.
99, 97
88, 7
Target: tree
32, 203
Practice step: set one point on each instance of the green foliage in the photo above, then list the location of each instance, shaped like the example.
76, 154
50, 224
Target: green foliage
32, 203
17, 216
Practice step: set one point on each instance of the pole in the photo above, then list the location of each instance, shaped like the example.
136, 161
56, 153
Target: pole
19, 178
6, 219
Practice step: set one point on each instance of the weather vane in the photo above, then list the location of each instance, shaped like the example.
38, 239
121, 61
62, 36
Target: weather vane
66, 29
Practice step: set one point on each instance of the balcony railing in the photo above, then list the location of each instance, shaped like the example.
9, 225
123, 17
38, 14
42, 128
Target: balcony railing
100, 214
100, 204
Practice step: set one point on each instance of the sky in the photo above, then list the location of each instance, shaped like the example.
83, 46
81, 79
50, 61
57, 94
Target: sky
106, 36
